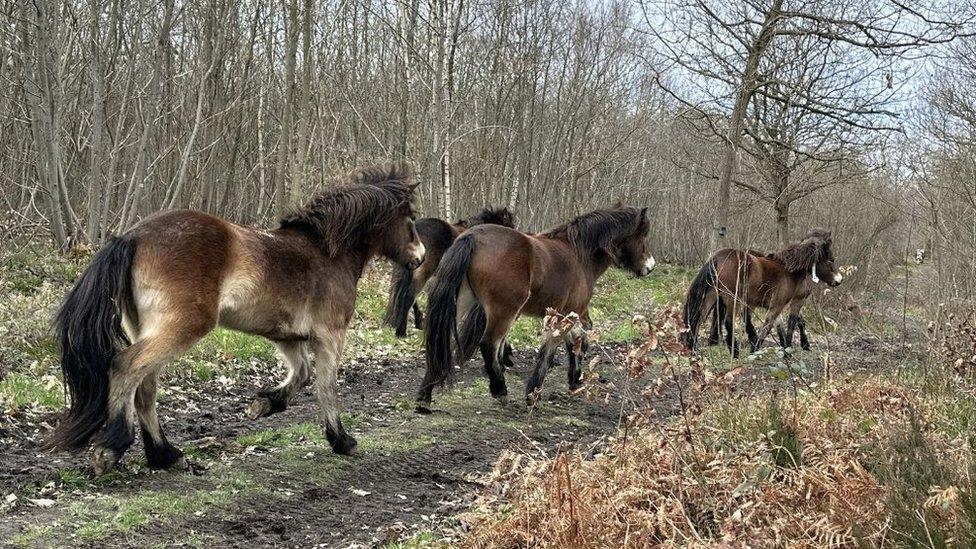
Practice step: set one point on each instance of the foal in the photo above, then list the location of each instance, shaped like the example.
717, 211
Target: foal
743, 280
493, 274
176, 275
437, 236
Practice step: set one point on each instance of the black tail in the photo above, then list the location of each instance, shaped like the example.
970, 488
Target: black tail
442, 312
704, 281
402, 297
89, 329
472, 331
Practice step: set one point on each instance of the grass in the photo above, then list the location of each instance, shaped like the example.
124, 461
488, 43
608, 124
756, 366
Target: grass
416, 541
94, 519
19, 390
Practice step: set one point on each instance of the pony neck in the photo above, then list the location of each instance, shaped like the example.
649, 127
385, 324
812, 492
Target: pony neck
597, 264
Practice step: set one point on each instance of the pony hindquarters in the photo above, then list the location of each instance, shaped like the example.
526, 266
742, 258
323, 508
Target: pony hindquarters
701, 298
89, 329
442, 310
108, 386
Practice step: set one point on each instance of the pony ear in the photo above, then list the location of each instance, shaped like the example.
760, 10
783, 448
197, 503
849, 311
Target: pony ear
413, 186
644, 213
803, 256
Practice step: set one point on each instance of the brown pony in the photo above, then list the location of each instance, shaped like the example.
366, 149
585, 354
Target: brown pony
493, 274
176, 275
794, 322
744, 280
437, 236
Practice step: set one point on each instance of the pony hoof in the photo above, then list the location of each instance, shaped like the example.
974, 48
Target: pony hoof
104, 461
423, 408
501, 399
345, 446
167, 458
259, 407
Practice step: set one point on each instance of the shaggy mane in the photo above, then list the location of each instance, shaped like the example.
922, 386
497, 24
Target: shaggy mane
803, 255
495, 215
597, 230
368, 198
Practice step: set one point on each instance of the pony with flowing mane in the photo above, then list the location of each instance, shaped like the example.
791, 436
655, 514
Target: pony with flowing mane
493, 274
154, 291
737, 281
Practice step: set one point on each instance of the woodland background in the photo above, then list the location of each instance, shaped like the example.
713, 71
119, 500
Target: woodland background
765, 116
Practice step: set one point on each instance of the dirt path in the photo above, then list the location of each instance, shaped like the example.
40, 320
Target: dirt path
275, 482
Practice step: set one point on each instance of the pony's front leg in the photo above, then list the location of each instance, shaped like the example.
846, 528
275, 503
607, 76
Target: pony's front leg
533, 387
802, 326
768, 324
328, 349
574, 373
271, 401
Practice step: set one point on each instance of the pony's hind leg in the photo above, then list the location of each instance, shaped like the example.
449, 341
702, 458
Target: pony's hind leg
506, 359
543, 358
730, 340
133, 365
273, 400
490, 352
160, 454
718, 316
750, 330
493, 349
328, 350
418, 317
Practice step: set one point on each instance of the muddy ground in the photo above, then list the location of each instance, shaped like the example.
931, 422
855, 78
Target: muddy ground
268, 482
274, 481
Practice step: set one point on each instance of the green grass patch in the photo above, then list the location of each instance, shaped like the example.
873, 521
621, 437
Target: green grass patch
23, 389
307, 432
416, 541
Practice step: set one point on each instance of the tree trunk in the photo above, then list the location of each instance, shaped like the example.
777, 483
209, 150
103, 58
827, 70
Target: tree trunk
288, 107
45, 123
304, 111
158, 85
783, 223
733, 139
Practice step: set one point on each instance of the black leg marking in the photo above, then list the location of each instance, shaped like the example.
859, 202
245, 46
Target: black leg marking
418, 317
718, 313
278, 397
496, 379
160, 454
111, 443
534, 383
751, 331
574, 374
804, 342
507, 356
423, 400
784, 339
340, 441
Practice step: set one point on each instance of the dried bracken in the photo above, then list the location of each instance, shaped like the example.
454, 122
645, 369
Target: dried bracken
728, 472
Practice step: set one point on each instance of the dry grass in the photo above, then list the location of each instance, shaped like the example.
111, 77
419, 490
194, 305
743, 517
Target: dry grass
858, 462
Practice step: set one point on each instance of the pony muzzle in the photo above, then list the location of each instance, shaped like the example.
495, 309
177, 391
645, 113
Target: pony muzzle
418, 253
647, 267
